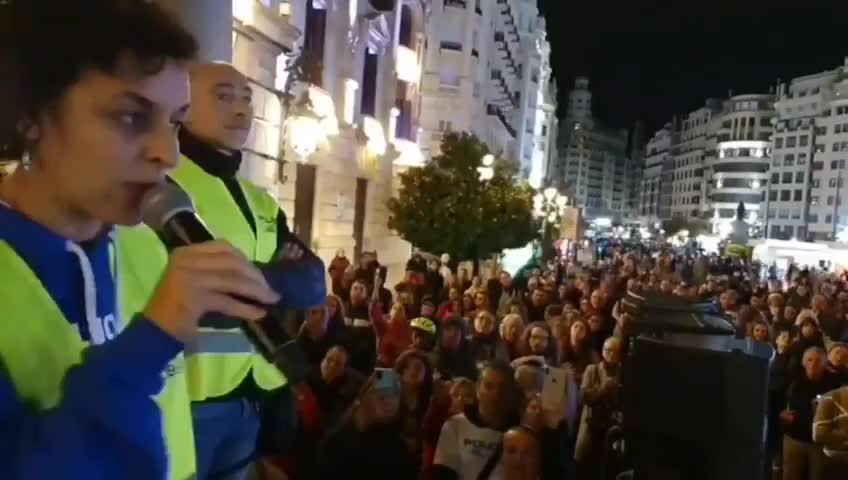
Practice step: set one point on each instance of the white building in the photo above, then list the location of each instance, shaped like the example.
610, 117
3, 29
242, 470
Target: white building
537, 109
738, 171
808, 156
827, 217
333, 169
485, 71
550, 132
685, 192
593, 166
657, 153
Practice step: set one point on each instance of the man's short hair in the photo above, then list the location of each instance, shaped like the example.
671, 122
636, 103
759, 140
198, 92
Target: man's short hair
499, 366
46, 45
816, 349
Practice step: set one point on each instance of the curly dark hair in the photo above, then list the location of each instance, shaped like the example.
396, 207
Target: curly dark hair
551, 354
46, 46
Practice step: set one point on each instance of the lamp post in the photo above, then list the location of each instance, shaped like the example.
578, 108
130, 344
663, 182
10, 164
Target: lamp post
548, 205
485, 172
486, 169
303, 129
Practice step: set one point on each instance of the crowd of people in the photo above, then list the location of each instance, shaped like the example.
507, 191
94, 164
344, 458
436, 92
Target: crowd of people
471, 354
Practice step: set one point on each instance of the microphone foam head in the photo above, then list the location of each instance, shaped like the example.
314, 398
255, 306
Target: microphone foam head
162, 203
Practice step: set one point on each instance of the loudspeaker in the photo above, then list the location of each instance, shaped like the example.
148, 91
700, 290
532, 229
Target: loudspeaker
696, 413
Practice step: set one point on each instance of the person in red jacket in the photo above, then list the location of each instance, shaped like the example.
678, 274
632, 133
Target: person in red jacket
394, 336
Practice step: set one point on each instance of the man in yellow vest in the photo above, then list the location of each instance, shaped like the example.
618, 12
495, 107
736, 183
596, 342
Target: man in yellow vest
227, 378
99, 90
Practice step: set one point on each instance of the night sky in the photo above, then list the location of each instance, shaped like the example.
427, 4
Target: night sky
650, 59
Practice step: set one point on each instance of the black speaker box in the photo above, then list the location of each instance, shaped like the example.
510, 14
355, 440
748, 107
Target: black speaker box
694, 396
695, 413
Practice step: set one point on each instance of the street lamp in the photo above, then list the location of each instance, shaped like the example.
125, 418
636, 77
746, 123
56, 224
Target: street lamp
304, 130
548, 205
486, 171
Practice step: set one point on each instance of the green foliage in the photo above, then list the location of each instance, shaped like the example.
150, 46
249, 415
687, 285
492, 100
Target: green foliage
444, 207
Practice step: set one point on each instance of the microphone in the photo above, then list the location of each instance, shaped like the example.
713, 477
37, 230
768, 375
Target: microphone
169, 211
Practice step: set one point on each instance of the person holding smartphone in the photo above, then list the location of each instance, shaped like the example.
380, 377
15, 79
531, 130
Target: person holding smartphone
368, 442
99, 91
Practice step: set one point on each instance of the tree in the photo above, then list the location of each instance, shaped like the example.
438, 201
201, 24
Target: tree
444, 207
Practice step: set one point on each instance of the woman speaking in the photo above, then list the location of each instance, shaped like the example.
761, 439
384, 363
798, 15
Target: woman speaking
99, 91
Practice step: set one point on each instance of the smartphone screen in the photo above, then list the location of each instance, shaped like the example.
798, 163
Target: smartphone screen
386, 381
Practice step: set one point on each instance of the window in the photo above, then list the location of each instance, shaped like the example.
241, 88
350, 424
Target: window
818, 166
828, 218
773, 196
819, 148
813, 217
830, 200
796, 214
789, 160
787, 177
803, 141
778, 142
447, 45
791, 141
816, 183
799, 177
775, 178
831, 182
797, 195
814, 200
802, 159
449, 79
785, 195
765, 121
837, 128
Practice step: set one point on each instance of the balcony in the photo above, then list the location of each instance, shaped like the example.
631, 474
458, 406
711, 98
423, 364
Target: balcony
454, 46
456, 3
736, 166
496, 111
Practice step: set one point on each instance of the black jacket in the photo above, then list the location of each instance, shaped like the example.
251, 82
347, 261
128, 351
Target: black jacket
377, 453
800, 399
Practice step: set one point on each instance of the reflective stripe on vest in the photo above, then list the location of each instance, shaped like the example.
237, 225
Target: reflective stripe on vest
219, 341
219, 359
42, 336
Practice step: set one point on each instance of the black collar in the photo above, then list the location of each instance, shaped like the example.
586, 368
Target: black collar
213, 161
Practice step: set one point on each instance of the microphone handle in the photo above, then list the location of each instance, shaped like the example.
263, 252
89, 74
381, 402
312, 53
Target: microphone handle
184, 228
